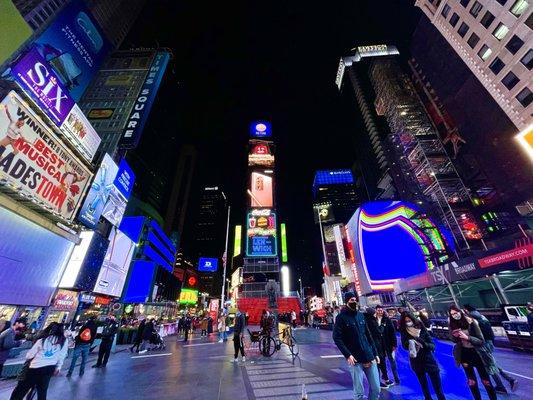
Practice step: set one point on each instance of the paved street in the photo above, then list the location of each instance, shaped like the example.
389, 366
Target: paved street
202, 369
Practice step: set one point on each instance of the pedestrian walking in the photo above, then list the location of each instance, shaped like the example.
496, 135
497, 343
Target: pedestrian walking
8, 340
138, 337
488, 335
329, 318
108, 336
238, 335
222, 335
209, 325
187, 322
84, 340
43, 360
266, 323
148, 331
417, 341
293, 319
203, 327
384, 336
352, 337
470, 352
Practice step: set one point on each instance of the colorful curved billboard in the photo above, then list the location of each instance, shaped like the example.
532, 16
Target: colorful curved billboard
393, 240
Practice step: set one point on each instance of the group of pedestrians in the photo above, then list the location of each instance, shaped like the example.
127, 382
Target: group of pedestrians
368, 340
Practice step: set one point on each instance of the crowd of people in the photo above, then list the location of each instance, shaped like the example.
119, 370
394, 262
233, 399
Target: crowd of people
369, 342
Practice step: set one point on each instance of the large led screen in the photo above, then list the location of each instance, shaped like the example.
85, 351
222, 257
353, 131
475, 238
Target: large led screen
116, 264
207, 264
119, 194
261, 238
261, 190
260, 154
32, 261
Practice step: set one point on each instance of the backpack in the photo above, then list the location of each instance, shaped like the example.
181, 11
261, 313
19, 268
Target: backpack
85, 335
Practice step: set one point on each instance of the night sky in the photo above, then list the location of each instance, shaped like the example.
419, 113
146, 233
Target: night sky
235, 62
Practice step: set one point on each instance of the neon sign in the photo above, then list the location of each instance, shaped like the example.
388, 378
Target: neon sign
188, 296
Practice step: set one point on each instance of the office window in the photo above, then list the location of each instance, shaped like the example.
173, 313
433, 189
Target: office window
473, 40
496, 66
484, 52
463, 29
500, 31
454, 20
502, 2
527, 60
519, 7
487, 19
510, 80
476, 8
529, 21
445, 10
525, 97
514, 44
464, 3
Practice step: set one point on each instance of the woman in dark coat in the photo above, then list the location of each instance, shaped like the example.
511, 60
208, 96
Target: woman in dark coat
417, 340
138, 337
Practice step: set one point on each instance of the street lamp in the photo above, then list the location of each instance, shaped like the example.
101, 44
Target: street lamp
301, 289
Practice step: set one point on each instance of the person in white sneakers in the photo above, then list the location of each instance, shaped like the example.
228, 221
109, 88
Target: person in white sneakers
238, 335
45, 360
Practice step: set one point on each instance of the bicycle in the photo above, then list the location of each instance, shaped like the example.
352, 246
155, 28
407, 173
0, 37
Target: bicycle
269, 344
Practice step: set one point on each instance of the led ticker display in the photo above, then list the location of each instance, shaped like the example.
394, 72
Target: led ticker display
260, 129
188, 296
261, 233
413, 243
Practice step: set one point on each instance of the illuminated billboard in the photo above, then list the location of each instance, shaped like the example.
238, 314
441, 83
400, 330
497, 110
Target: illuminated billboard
35, 163
261, 190
284, 253
260, 154
525, 138
13, 27
237, 243
323, 212
116, 264
393, 240
188, 296
261, 238
260, 129
207, 264
119, 194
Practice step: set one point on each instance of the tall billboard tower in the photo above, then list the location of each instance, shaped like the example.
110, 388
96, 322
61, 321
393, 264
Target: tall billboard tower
261, 267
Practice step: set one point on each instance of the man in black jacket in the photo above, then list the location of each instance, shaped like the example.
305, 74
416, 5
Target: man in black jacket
353, 339
384, 336
107, 335
238, 334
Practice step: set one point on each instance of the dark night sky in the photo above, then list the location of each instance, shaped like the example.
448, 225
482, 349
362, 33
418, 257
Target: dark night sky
237, 61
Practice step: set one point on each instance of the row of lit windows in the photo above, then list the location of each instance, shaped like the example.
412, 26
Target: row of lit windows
510, 80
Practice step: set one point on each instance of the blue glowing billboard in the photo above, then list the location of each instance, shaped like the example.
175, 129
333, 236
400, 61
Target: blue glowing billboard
74, 46
260, 129
207, 264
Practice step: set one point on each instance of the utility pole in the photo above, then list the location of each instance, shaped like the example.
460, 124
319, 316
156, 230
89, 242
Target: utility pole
224, 262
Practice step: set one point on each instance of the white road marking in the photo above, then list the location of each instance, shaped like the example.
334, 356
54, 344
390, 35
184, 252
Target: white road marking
521, 376
153, 355
333, 356
199, 344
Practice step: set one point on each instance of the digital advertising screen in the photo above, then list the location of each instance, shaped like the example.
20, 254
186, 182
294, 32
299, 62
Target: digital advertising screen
119, 194
13, 27
207, 264
116, 264
260, 129
260, 154
261, 190
188, 296
261, 234
36, 163
99, 192
75, 47
140, 282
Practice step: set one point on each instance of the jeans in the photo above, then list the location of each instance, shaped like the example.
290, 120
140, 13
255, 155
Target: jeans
383, 366
372, 376
223, 335
435, 382
38, 377
83, 350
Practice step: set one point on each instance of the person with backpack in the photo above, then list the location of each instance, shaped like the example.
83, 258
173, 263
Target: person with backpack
85, 338
44, 360
108, 335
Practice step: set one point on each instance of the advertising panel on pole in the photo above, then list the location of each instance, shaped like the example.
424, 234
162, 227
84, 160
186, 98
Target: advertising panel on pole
143, 104
261, 190
261, 237
99, 192
13, 27
75, 47
116, 264
36, 163
260, 129
260, 154
39, 80
120, 193
207, 264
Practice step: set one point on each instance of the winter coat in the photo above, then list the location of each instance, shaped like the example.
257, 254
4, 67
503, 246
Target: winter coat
240, 324
139, 334
109, 332
7, 342
383, 334
484, 325
352, 337
91, 325
424, 360
148, 330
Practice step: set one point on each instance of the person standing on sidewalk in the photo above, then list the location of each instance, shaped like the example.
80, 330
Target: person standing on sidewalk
85, 338
238, 334
222, 335
293, 319
384, 336
108, 335
488, 335
138, 337
45, 360
7, 340
417, 341
187, 322
351, 335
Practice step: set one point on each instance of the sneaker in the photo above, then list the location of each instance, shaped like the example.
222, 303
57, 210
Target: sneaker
142, 351
388, 382
243, 359
514, 384
235, 360
220, 341
383, 385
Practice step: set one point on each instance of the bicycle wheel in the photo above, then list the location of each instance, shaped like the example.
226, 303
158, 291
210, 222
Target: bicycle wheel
267, 346
293, 346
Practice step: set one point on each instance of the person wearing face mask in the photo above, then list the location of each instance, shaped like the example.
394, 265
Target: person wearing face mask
470, 352
416, 339
352, 337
